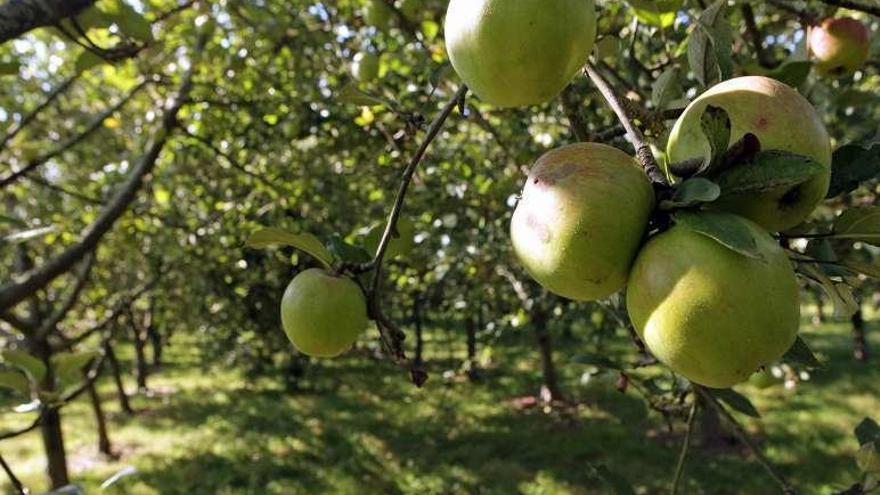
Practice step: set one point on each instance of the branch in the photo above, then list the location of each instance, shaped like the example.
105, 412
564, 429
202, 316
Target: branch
19, 324
806, 18
576, 120
682, 457
868, 9
754, 34
740, 432
81, 278
643, 151
19, 488
53, 95
20, 16
73, 141
17, 290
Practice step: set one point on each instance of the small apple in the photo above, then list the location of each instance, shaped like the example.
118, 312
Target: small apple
711, 314
377, 14
365, 67
323, 314
518, 53
839, 46
783, 120
581, 219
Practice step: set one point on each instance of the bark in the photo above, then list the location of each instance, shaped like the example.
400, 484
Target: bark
140, 354
540, 319
471, 328
156, 344
50, 426
860, 340
418, 359
20, 16
124, 403
104, 445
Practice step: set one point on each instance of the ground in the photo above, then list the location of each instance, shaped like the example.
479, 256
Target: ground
358, 427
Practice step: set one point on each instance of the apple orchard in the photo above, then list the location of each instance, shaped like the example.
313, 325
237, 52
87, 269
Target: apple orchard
674, 167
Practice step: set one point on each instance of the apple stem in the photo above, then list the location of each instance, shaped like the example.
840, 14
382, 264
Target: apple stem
643, 151
744, 437
685, 447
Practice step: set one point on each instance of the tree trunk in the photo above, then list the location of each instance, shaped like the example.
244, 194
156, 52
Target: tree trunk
140, 360
418, 359
124, 404
473, 371
104, 446
819, 318
156, 344
860, 341
53, 443
20, 16
545, 345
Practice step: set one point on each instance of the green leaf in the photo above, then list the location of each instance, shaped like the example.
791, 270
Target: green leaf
792, 73
729, 230
692, 192
69, 366
860, 224
351, 94
867, 431
716, 125
768, 171
801, 354
710, 45
15, 381
346, 252
130, 21
659, 13
666, 88
851, 165
305, 242
737, 401
840, 294
618, 484
31, 365
87, 60
870, 268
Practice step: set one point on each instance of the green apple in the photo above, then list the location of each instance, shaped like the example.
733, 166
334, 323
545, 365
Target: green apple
660, 13
783, 120
323, 314
377, 14
839, 46
711, 314
583, 214
764, 378
365, 66
518, 53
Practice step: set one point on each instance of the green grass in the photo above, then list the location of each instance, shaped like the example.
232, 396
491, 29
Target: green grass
358, 427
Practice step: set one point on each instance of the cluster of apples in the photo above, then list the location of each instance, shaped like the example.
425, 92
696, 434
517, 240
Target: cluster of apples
710, 313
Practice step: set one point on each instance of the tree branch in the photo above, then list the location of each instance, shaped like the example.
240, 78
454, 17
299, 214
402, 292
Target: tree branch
19, 488
741, 433
17, 290
643, 151
73, 141
755, 36
72, 297
686, 445
20, 16
868, 9
53, 95
576, 120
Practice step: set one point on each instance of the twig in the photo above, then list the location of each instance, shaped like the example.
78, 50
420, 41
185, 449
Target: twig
854, 6
58, 91
805, 17
643, 151
576, 120
741, 433
685, 447
755, 36
15, 481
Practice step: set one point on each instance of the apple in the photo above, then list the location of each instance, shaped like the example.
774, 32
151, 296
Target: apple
377, 14
583, 214
783, 120
518, 53
323, 314
365, 66
839, 46
659, 13
709, 313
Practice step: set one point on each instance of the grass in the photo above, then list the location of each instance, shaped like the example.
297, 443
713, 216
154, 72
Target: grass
358, 427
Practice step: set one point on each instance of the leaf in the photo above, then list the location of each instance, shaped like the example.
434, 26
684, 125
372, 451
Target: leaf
351, 94
31, 365
737, 401
729, 230
867, 268
9, 68
840, 294
130, 21
346, 252
87, 60
860, 224
69, 366
710, 45
792, 73
692, 192
618, 484
768, 171
666, 88
716, 125
659, 13
800, 353
851, 165
305, 242
867, 431
15, 381
700, 57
